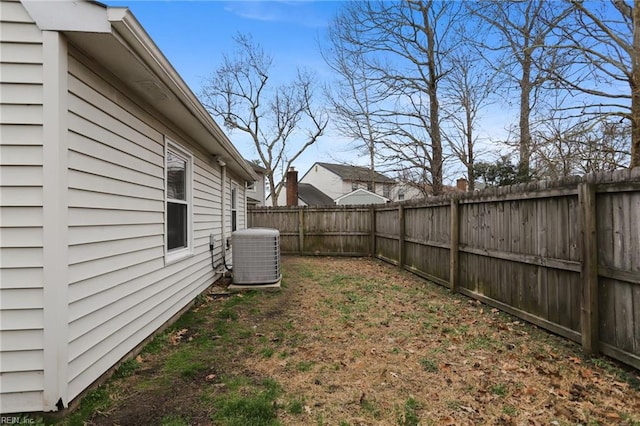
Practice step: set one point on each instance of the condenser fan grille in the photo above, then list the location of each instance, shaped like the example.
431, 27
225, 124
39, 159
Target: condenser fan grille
256, 256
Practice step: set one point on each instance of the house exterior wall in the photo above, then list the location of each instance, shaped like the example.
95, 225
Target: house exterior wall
258, 191
326, 181
410, 192
378, 188
333, 185
21, 211
359, 197
120, 287
84, 275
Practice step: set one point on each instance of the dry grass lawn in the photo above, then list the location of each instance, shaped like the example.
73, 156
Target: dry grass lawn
359, 342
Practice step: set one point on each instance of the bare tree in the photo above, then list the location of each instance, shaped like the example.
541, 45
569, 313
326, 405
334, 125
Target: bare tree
606, 38
467, 90
238, 94
519, 53
353, 98
570, 146
405, 47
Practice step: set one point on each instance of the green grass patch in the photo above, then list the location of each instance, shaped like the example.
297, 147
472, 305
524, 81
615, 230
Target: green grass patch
370, 407
126, 369
228, 313
246, 404
509, 410
499, 389
267, 352
408, 416
157, 344
429, 365
304, 366
184, 362
173, 420
295, 406
95, 400
480, 342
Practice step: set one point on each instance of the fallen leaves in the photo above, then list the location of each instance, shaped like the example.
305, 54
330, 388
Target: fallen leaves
489, 367
176, 337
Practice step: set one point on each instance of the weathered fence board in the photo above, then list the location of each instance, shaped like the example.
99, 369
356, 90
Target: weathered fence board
564, 255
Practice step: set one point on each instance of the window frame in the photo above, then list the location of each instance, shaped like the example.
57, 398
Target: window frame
233, 205
179, 253
386, 190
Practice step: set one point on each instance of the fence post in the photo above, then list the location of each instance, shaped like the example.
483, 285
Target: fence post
589, 270
455, 241
372, 247
401, 236
300, 230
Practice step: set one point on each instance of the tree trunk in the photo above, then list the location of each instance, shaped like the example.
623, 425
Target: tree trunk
434, 109
470, 160
525, 113
635, 88
272, 189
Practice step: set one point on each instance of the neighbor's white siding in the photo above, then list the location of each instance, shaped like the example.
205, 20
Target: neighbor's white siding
326, 181
360, 197
21, 220
120, 288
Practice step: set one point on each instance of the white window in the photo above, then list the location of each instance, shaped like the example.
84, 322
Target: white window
234, 207
386, 190
251, 186
354, 185
178, 178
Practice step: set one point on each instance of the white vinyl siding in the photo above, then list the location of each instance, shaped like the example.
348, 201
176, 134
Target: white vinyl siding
21, 200
326, 181
241, 207
120, 289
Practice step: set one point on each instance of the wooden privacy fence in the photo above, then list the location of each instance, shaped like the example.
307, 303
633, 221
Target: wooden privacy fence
564, 255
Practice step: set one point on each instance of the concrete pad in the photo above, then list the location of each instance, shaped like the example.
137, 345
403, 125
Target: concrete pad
246, 287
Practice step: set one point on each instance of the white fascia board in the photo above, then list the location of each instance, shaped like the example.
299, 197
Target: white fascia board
82, 16
128, 27
88, 16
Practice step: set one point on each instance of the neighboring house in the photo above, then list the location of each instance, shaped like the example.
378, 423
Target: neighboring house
307, 195
113, 177
361, 196
330, 184
256, 189
337, 180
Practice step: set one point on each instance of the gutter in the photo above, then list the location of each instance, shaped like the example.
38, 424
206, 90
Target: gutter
120, 23
125, 23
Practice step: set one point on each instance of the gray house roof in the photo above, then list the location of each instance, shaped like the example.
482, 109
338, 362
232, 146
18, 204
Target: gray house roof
355, 173
312, 196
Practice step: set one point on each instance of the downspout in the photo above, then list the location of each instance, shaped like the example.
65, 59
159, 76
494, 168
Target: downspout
223, 202
246, 225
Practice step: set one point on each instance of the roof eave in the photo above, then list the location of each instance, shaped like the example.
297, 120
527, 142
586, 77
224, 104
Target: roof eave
122, 26
125, 23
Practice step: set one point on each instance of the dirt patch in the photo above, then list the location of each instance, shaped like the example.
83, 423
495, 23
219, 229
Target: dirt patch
359, 342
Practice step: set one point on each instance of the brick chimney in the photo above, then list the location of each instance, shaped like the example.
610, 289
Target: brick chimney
461, 184
292, 187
